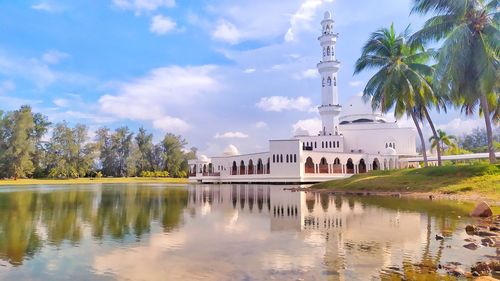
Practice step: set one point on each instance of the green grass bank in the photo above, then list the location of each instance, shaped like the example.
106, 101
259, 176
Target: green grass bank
482, 180
92, 181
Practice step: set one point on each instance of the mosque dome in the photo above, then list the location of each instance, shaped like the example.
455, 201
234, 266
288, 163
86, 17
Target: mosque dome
203, 158
231, 150
356, 110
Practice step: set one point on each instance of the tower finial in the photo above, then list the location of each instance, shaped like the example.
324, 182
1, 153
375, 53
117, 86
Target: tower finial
328, 15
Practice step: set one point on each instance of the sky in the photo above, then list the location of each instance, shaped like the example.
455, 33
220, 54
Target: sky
216, 72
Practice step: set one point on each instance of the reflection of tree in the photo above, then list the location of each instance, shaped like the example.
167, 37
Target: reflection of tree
18, 237
115, 212
324, 199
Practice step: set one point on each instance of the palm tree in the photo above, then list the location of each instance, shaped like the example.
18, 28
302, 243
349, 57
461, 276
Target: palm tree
400, 81
442, 140
468, 60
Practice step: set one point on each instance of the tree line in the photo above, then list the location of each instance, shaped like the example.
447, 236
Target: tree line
68, 152
463, 72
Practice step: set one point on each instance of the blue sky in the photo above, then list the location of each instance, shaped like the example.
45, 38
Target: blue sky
218, 72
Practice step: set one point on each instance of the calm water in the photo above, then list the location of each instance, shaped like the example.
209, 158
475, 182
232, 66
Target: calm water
226, 232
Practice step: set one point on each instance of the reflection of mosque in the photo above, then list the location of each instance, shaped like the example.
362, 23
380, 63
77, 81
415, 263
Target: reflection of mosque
358, 237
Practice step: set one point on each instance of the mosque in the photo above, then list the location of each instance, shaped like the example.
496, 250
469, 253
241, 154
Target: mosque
353, 140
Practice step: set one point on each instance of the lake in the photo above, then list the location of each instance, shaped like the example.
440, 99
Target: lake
225, 232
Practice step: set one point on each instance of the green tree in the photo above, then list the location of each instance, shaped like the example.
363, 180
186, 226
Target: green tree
468, 60
442, 140
400, 81
122, 147
41, 127
173, 149
69, 152
145, 146
19, 144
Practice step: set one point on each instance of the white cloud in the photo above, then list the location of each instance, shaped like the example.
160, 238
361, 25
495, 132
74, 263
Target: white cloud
459, 126
162, 25
307, 74
61, 102
54, 57
356, 83
160, 94
249, 70
260, 125
231, 135
226, 32
140, 6
307, 127
47, 7
280, 103
302, 18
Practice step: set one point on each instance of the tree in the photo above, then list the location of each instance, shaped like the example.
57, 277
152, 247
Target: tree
19, 144
468, 63
173, 150
400, 81
69, 153
145, 146
443, 140
477, 140
121, 142
41, 127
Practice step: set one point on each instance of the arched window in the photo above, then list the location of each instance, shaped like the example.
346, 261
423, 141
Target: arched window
323, 83
323, 166
330, 144
349, 166
234, 169
338, 144
329, 81
322, 144
295, 158
250, 167
281, 158
386, 145
274, 158
242, 167
287, 158
260, 167
394, 145
328, 51
362, 166
334, 81
315, 145
309, 166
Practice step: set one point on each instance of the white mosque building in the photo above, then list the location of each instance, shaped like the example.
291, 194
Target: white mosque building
353, 140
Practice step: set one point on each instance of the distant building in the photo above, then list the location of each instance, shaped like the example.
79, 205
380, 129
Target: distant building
357, 141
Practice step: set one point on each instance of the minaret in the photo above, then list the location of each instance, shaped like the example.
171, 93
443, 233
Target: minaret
328, 68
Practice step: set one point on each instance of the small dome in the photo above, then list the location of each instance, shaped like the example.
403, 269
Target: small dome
390, 151
231, 150
328, 15
203, 158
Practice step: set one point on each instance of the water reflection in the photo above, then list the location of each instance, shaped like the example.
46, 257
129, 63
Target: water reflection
225, 232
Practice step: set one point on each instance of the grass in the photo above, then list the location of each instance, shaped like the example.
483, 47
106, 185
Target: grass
91, 181
480, 179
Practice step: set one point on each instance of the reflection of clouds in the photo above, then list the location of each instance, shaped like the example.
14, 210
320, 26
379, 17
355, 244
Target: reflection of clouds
231, 226
141, 262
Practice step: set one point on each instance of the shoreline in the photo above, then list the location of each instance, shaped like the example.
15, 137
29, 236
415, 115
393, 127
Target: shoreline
137, 180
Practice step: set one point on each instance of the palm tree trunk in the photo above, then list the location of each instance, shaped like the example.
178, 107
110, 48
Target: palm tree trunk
421, 135
489, 132
434, 132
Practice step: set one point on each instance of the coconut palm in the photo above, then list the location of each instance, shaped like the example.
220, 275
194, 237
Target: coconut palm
468, 60
442, 140
400, 81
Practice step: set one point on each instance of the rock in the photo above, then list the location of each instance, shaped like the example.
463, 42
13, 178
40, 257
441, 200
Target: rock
439, 237
482, 268
494, 228
475, 273
470, 229
488, 242
485, 233
471, 246
457, 272
482, 210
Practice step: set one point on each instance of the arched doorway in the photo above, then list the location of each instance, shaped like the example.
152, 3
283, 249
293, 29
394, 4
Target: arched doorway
234, 169
362, 166
376, 164
210, 168
309, 166
204, 169
349, 166
250, 167
260, 167
391, 164
337, 167
242, 167
323, 166
268, 166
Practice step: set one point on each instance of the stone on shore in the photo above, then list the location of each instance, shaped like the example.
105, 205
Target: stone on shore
471, 246
482, 210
